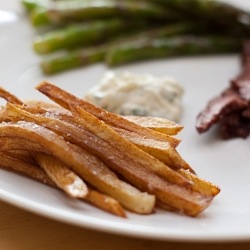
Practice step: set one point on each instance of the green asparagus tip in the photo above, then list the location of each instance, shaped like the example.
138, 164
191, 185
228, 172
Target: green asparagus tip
39, 17
31, 5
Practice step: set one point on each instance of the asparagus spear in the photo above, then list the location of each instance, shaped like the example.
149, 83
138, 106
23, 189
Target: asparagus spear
31, 5
74, 59
212, 8
88, 56
74, 10
82, 34
136, 50
219, 15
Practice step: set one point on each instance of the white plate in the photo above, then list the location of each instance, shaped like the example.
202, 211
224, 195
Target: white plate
225, 163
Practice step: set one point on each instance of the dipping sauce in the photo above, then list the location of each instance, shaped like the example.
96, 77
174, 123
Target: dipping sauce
126, 93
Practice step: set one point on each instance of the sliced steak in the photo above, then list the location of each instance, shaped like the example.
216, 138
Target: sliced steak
228, 102
234, 125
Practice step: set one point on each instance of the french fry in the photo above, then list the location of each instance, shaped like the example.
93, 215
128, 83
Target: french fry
200, 185
13, 144
64, 178
87, 166
9, 97
25, 168
21, 155
158, 124
155, 148
105, 202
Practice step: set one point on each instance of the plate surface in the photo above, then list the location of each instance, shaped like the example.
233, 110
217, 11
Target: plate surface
225, 163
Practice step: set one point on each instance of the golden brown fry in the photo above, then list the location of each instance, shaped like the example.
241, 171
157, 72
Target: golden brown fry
21, 155
105, 202
62, 176
200, 185
25, 168
9, 97
13, 144
157, 149
165, 206
87, 166
158, 124
64, 98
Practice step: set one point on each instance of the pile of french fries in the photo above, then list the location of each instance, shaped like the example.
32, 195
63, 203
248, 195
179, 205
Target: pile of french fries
115, 163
